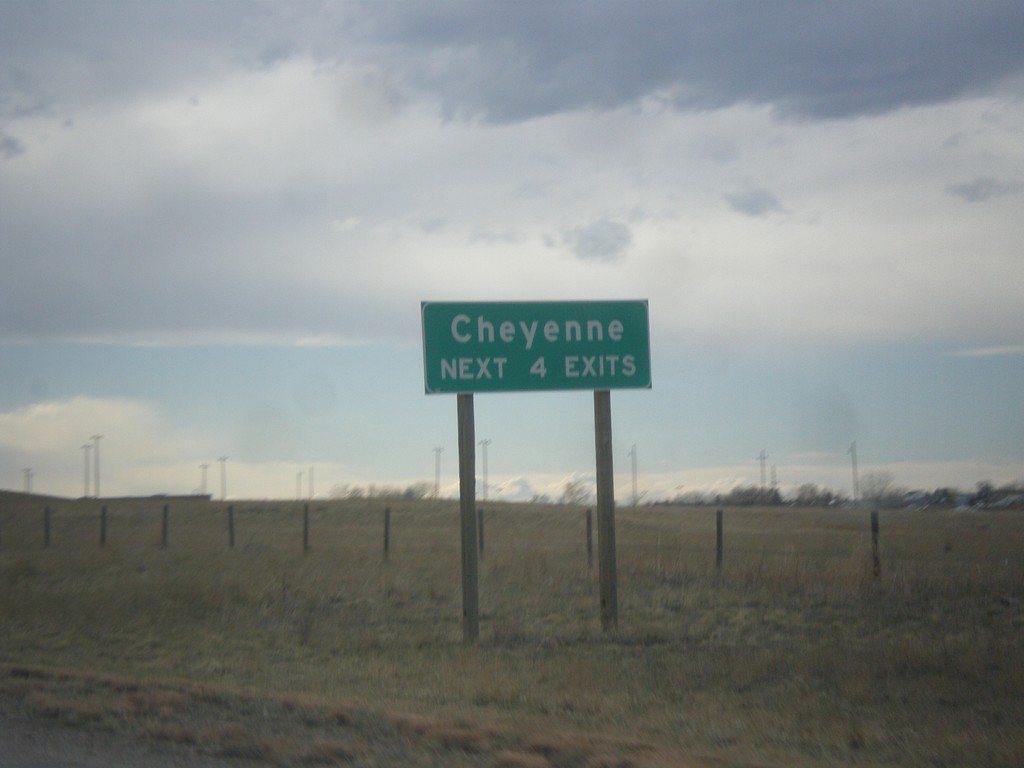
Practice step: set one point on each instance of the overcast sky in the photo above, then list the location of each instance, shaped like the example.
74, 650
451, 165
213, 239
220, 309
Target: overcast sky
218, 221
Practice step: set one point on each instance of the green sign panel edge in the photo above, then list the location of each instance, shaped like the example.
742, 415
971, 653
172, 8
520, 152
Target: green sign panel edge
521, 346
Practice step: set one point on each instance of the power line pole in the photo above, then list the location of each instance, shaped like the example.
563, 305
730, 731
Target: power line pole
96, 464
28, 479
437, 472
223, 477
85, 450
856, 480
763, 456
632, 455
310, 483
484, 444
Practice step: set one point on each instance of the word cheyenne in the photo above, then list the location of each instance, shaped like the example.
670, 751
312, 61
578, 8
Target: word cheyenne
510, 346
507, 330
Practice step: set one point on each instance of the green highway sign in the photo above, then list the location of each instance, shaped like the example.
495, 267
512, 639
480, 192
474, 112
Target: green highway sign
520, 346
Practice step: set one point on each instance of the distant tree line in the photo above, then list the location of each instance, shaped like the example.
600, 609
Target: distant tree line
412, 492
877, 488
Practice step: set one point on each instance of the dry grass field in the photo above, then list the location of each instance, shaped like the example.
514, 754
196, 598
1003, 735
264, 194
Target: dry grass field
791, 654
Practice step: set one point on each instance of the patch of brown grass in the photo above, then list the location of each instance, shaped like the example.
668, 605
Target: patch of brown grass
511, 759
68, 711
172, 732
562, 750
234, 740
445, 734
330, 752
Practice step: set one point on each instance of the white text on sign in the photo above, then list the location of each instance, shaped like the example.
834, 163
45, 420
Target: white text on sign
552, 331
576, 366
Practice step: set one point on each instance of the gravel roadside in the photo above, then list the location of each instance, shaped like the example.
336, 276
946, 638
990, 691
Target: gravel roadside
31, 743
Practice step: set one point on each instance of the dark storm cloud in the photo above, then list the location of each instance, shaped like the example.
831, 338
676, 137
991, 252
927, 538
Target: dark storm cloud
983, 188
55, 54
754, 202
10, 147
508, 61
603, 240
511, 61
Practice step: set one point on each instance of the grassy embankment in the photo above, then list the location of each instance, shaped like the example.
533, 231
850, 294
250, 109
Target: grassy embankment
792, 654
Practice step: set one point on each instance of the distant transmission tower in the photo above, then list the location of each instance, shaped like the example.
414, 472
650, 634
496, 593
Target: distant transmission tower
437, 472
96, 465
484, 444
763, 456
223, 477
856, 480
85, 450
632, 455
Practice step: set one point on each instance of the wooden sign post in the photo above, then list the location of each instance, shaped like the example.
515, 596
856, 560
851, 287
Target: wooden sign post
606, 558
467, 517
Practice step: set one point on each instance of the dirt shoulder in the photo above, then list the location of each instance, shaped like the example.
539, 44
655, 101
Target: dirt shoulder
81, 719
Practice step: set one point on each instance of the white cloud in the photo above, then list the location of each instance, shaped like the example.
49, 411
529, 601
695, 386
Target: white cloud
307, 200
45, 427
136, 438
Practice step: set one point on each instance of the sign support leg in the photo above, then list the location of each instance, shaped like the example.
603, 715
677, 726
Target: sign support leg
605, 510
467, 513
